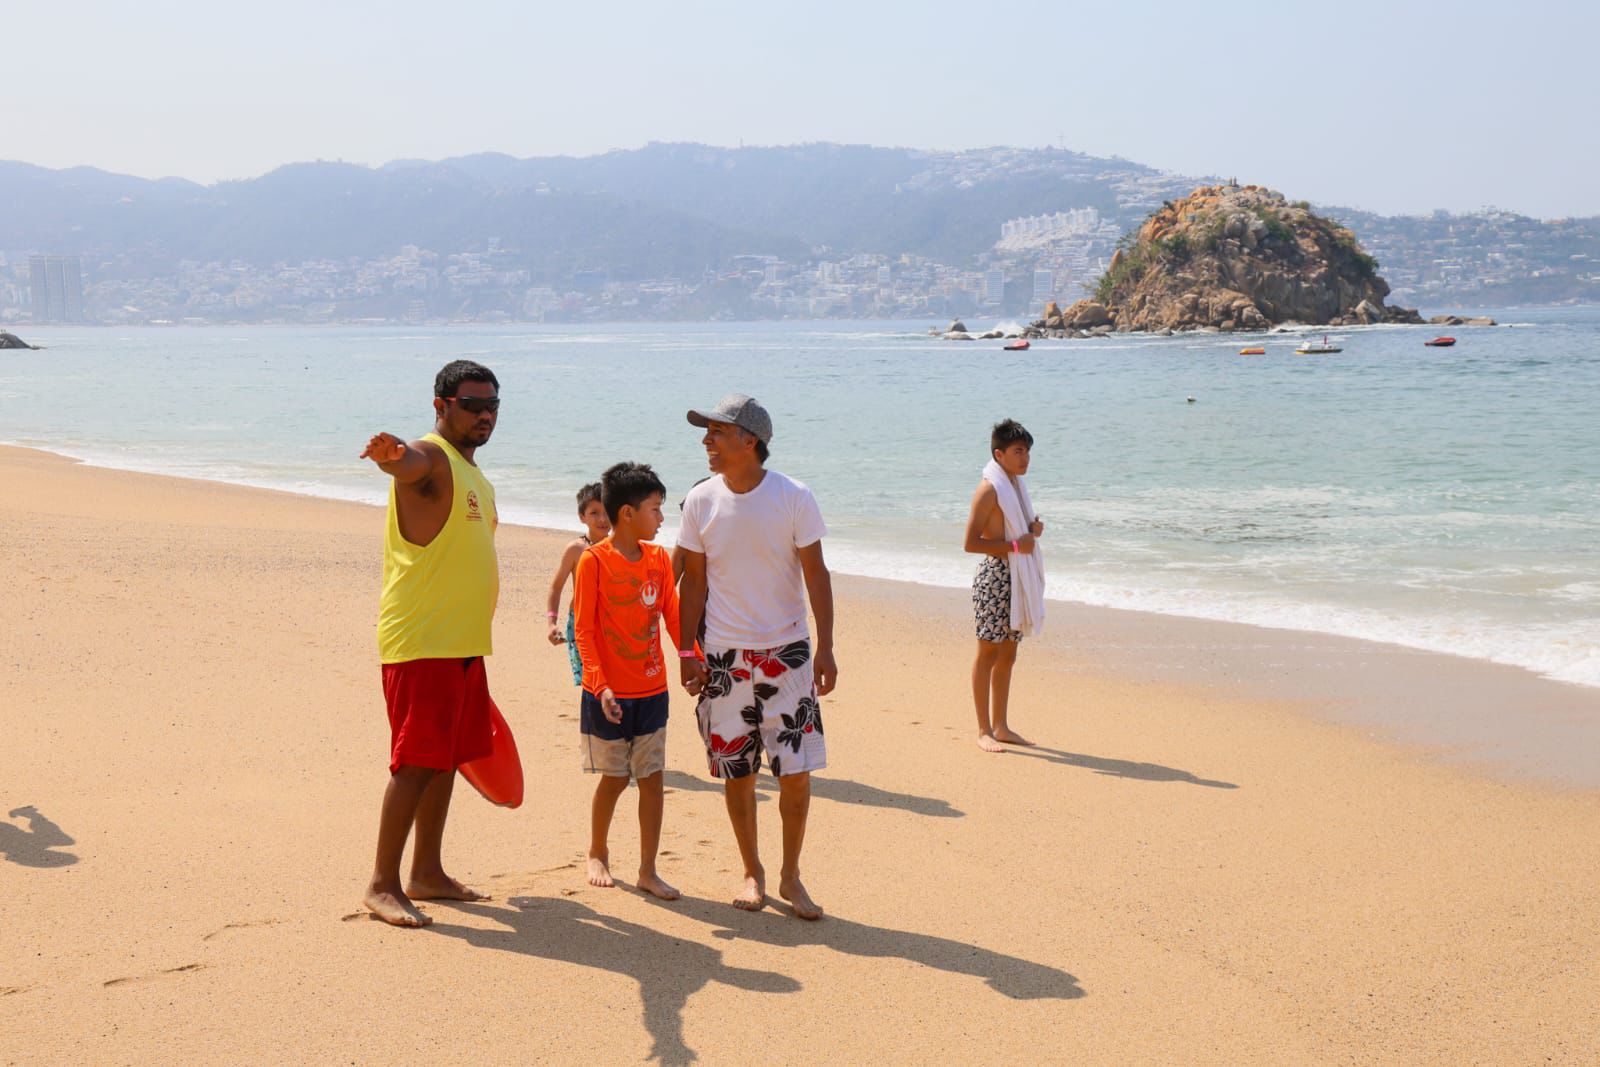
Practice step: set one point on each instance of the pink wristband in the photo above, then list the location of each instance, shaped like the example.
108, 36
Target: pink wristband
1014, 547
688, 653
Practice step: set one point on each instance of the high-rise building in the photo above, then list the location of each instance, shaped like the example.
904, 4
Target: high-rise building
39, 289
72, 289
1044, 286
994, 287
55, 285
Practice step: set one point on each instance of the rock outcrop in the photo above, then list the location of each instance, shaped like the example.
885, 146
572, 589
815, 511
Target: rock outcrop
1457, 320
1232, 257
11, 340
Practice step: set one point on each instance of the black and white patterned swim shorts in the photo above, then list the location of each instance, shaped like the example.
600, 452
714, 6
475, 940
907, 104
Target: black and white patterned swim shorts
991, 601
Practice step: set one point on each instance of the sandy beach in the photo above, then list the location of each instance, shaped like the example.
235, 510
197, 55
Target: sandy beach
1230, 846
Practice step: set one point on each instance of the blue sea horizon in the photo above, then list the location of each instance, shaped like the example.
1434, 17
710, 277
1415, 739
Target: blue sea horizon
1442, 499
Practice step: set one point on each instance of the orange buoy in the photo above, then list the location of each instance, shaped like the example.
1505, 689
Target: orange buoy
498, 776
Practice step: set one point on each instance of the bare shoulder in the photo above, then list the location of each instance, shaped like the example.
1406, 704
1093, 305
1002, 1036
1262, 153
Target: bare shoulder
984, 503
436, 480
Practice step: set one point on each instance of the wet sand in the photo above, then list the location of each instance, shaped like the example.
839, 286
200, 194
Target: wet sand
1230, 845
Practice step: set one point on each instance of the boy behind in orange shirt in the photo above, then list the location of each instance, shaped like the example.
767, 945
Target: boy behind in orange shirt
622, 592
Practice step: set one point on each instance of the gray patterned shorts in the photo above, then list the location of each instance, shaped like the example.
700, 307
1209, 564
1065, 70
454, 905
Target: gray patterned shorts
991, 601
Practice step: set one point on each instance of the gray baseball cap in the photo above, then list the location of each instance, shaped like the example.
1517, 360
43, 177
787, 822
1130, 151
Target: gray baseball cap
739, 410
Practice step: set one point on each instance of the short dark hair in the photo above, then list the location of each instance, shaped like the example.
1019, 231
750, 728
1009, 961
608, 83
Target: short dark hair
452, 374
586, 496
628, 485
1008, 433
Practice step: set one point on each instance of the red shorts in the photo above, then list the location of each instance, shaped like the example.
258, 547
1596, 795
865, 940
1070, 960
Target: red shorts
438, 712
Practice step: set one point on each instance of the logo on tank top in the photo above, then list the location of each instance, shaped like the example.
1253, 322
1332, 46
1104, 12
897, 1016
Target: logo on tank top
649, 593
473, 512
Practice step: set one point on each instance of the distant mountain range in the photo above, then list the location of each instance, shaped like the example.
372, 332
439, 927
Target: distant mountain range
679, 211
666, 209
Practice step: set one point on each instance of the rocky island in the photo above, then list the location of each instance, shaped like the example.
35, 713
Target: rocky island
11, 340
1231, 257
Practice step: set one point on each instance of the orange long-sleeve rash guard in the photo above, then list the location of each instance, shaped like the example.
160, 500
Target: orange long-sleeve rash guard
618, 608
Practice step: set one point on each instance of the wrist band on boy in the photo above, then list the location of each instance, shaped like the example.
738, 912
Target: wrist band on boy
688, 653
1014, 547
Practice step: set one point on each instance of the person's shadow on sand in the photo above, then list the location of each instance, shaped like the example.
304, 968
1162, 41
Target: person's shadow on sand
32, 847
667, 969
1145, 772
839, 790
1010, 976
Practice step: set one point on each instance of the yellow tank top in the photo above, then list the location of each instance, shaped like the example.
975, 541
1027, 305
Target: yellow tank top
438, 600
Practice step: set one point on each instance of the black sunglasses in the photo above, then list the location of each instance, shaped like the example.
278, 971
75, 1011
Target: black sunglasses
477, 405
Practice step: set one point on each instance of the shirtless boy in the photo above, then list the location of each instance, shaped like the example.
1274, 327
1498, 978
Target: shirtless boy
592, 513
1010, 446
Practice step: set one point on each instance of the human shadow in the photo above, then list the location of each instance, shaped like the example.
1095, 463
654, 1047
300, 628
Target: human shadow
1010, 976
668, 969
840, 790
1120, 768
33, 847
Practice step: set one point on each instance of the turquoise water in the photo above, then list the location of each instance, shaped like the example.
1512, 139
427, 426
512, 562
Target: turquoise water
1439, 498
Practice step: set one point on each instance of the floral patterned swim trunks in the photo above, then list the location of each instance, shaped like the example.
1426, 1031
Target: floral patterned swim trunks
991, 601
761, 699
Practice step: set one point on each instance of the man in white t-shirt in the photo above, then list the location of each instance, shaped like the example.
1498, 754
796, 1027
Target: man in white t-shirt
751, 543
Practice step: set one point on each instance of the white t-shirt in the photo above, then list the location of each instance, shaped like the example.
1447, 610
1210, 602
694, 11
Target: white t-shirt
755, 591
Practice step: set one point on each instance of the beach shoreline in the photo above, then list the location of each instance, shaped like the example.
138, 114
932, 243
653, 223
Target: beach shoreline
1553, 738
1182, 870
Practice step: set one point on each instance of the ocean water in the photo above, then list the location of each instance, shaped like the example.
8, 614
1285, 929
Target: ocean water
1445, 499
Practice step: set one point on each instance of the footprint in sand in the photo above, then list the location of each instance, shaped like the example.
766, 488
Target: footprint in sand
241, 926
563, 867
140, 979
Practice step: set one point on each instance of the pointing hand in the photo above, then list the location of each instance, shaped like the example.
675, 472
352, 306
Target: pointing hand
384, 448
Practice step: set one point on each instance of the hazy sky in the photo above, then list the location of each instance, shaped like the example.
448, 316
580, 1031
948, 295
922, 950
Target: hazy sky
1396, 107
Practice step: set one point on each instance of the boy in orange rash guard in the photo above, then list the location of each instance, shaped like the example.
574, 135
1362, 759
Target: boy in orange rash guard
622, 592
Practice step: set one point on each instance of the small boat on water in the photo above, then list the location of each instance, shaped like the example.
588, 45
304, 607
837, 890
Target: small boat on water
1018, 346
1440, 342
1257, 351
1311, 348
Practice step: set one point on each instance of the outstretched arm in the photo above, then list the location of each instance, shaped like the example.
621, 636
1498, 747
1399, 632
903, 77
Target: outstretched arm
819, 587
405, 463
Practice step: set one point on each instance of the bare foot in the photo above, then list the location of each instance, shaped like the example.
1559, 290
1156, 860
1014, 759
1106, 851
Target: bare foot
652, 884
440, 887
753, 897
600, 873
1010, 737
989, 744
791, 890
393, 908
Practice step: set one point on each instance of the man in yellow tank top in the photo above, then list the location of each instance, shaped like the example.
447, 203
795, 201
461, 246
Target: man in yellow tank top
440, 584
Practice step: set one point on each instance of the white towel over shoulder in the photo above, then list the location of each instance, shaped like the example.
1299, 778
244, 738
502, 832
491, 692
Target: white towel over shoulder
1027, 569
